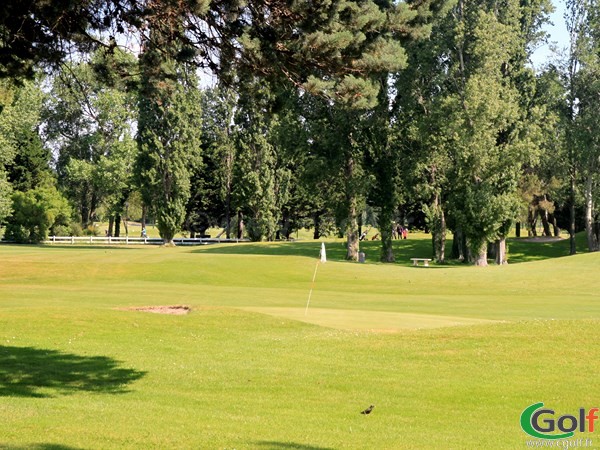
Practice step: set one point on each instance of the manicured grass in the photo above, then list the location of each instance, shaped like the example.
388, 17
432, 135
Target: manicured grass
450, 356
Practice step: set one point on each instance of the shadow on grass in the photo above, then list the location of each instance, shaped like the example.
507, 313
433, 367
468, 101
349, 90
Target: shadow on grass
37, 447
519, 250
94, 246
34, 372
289, 445
336, 251
527, 249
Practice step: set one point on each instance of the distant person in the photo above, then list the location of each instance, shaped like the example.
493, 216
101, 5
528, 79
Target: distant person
144, 234
404, 233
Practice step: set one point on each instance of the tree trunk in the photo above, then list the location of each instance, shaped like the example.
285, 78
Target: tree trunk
228, 202
111, 223
439, 241
229, 160
545, 223
532, 222
85, 210
592, 240
388, 201
555, 228
287, 229
144, 215
352, 219
385, 230
500, 247
572, 245
518, 229
125, 204
478, 252
227, 219
438, 232
351, 232
93, 206
491, 250
360, 225
459, 249
117, 225
240, 225
317, 225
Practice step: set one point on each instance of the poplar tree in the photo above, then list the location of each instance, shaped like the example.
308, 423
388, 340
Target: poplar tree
261, 180
484, 125
581, 75
169, 123
473, 113
219, 153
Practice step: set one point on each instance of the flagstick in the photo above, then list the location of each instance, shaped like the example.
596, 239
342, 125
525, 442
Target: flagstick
311, 288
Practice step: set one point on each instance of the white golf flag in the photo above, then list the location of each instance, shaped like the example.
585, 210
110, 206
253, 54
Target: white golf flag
323, 254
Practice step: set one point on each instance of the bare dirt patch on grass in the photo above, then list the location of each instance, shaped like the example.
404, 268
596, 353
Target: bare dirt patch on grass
177, 310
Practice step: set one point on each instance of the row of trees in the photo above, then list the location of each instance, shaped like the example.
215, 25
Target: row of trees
331, 116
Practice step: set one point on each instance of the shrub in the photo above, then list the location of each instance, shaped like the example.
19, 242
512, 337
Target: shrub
5, 197
75, 229
35, 213
91, 230
60, 230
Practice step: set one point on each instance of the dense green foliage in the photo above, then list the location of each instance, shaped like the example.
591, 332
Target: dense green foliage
91, 123
581, 72
23, 159
36, 213
168, 139
343, 117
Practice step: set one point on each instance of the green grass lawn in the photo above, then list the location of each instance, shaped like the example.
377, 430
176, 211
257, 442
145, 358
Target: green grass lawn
449, 355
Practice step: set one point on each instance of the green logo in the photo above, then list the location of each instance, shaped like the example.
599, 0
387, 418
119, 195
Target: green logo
539, 422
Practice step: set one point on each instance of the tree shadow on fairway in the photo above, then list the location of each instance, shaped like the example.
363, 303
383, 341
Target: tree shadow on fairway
535, 249
289, 445
92, 247
519, 250
336, 251
37, 447
35, 372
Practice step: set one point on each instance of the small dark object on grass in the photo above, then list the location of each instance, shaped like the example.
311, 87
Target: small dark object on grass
368, 410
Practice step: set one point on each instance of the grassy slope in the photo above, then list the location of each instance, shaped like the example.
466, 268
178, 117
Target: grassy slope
76, 373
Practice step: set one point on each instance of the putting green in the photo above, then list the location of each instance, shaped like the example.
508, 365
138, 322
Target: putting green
380, 321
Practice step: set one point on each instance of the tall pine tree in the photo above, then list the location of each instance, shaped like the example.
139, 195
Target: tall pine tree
169, 124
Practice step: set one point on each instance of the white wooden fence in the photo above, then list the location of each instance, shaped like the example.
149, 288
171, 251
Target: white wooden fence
134, 240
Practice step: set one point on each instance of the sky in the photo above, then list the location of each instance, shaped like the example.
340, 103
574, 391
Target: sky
558, 35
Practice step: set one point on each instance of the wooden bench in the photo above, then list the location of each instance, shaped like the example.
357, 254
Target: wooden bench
416, 261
